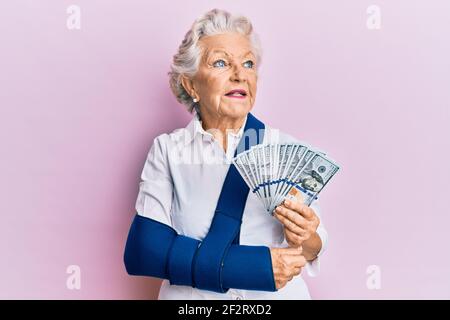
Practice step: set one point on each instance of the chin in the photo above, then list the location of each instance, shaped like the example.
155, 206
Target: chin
236, 111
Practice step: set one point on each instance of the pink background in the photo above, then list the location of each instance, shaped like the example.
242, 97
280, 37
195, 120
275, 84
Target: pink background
80, 109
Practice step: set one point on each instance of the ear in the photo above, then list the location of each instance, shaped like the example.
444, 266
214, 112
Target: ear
188, 85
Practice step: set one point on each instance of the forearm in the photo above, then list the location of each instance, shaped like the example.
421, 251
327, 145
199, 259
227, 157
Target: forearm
312, 247
156, 250
249, 268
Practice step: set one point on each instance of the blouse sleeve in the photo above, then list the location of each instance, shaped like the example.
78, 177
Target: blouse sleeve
155, 195
313, 267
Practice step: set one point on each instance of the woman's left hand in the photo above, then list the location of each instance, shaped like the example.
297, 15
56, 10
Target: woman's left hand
300, 221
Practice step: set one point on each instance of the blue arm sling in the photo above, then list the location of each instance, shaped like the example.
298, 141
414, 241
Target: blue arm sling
217, 263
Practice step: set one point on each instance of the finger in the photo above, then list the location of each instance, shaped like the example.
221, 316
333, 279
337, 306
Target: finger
295, 261
297, 271
292, 220
299, 207
301, 237
292, 227
292, 215
293, 237
287, 275
290, 251
288, 223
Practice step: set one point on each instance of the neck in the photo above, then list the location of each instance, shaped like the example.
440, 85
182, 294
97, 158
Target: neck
220, 126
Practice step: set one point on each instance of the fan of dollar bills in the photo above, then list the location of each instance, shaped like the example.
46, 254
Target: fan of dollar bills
278, 171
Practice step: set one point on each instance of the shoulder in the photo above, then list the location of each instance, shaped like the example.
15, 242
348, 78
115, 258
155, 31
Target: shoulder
164, 142
161, 151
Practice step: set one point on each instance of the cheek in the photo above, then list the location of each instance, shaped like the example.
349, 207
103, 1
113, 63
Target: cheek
214, 86
253, 79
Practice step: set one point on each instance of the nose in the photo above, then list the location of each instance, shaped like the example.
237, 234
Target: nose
238, 73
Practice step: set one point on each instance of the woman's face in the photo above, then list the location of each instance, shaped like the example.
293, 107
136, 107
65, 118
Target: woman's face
227, 64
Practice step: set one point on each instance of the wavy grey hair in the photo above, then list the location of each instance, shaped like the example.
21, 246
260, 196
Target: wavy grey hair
187, 59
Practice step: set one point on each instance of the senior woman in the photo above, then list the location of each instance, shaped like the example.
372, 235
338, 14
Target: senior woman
197, 225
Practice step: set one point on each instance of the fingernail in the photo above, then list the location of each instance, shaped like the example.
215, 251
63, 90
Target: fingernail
287, 202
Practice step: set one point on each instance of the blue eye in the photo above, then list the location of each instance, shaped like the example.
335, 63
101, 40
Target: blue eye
219, 63
248, 64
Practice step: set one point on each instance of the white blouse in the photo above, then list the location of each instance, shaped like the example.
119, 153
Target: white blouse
181, 182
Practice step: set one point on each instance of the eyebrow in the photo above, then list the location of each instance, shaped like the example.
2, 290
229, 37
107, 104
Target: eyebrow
226, 53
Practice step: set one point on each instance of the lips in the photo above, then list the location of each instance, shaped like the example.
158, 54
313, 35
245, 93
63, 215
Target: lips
236, 93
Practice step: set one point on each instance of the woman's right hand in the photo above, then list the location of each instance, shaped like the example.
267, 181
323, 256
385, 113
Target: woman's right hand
286, 263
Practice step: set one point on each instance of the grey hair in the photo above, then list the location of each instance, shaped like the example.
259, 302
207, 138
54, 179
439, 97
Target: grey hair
187, 59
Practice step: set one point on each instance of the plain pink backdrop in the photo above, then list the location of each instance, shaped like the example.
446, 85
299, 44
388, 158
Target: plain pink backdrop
79, 110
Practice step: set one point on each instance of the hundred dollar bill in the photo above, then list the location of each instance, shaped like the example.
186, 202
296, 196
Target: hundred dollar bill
313, 177
243, 169
276, 171
295, 162
284, 156
294, 171
262, 168
275, 164
255, 155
